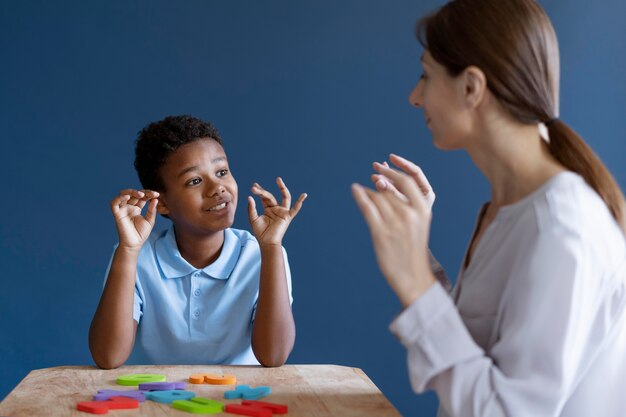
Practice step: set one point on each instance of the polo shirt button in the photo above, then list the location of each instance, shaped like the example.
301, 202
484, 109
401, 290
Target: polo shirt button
196, 293
196, 313
196, 274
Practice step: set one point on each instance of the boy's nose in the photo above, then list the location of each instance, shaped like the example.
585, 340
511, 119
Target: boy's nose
214, 189
415, 98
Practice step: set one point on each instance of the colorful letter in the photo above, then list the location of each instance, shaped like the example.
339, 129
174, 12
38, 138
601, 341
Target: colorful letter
136, 379
199, 406
247, 393
169, 396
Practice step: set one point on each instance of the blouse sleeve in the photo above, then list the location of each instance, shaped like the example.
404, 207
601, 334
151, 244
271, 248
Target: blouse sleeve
544, 337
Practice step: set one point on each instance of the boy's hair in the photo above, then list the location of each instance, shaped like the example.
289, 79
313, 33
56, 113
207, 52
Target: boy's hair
159, 140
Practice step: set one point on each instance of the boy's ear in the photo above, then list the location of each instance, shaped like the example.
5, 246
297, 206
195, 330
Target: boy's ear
162, 207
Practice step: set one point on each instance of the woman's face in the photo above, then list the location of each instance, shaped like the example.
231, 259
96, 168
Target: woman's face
441, 96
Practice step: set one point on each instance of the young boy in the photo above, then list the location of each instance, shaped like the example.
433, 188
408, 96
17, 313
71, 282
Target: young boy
199, 292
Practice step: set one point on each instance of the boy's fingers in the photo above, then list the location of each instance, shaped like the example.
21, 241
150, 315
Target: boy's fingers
149, 194
120, 199
285, 192
133, 193
296, 207
151, 213
268, 198
118, 202
135, 196
252, 213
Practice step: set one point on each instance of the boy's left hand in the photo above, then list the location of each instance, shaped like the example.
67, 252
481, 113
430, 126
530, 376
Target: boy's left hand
270, 227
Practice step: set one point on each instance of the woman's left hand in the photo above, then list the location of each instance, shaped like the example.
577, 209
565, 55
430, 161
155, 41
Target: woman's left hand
270, 227
399, 221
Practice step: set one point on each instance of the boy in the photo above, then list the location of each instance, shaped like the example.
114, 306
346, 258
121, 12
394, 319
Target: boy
199, 292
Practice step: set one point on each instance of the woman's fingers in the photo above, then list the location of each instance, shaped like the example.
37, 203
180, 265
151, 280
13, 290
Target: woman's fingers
414, 171
366, 205
384, 204
405, 185
383, 183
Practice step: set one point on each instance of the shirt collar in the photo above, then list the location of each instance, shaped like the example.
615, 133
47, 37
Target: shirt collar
174, 265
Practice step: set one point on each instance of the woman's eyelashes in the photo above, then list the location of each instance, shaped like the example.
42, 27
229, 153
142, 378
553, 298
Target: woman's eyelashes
423, 76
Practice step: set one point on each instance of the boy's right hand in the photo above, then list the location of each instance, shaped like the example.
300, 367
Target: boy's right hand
132, 228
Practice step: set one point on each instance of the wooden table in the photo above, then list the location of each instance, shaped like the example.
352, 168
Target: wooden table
308, 390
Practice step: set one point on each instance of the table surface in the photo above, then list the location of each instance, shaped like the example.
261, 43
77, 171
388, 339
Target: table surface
308, 390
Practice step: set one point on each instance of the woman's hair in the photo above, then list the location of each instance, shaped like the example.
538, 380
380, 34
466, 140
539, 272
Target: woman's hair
159, 140
515, 45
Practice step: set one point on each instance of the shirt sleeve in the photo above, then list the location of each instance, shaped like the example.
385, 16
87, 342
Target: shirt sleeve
543, 342
137, 301
288, 275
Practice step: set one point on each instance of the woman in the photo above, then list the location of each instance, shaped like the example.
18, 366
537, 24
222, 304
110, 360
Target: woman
536, 325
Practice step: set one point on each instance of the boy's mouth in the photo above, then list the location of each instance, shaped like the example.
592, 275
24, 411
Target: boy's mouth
219, 206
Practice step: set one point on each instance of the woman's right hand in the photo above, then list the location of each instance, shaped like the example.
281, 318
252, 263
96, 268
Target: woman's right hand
132, 228
383, 183
398, 217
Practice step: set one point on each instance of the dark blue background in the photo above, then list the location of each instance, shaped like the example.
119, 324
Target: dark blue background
312, 91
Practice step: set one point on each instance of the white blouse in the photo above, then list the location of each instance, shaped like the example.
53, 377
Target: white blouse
539, 325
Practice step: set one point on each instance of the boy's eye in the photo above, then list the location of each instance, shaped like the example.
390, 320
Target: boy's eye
222, 172
194, 181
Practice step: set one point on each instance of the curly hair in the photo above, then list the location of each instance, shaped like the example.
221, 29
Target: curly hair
158, 140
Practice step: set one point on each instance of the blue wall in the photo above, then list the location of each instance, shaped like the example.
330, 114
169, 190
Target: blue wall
313, 91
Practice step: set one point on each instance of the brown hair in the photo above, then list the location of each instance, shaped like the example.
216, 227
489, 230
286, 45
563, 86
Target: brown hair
514, 44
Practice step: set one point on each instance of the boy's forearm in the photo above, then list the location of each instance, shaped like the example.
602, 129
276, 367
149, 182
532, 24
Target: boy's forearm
112, 331
273, 332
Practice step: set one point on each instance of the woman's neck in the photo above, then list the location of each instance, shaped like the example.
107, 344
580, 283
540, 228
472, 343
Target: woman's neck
199, 250
515, 160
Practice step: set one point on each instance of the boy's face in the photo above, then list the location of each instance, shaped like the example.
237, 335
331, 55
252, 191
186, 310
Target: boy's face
200, 194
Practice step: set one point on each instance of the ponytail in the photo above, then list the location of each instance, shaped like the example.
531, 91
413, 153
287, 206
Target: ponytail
568, 148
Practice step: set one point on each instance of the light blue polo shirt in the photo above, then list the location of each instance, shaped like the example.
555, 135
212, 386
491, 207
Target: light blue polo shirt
198, 316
